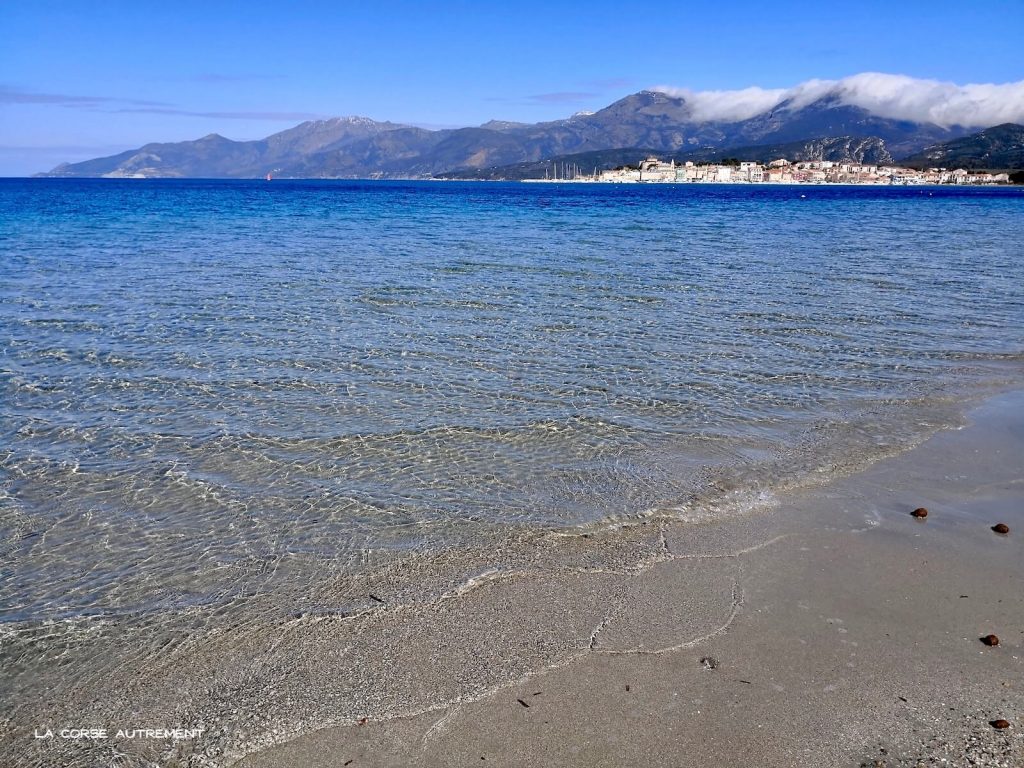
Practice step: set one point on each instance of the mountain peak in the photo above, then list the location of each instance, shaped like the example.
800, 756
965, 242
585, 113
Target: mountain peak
658, 104
503, 125
327, 122
353, 120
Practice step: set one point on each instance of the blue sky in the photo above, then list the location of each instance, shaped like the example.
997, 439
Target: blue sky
82, 79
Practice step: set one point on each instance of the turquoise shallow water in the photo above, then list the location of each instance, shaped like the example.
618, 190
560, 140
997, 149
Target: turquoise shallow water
209, 388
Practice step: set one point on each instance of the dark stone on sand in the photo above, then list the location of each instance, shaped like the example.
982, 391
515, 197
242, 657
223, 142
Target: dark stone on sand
1000, 724
1001, 528
990, 640
920, 513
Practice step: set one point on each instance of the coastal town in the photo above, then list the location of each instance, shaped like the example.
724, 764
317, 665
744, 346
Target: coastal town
780, 171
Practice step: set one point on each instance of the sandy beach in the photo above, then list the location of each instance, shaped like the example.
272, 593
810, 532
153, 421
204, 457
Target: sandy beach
836, 630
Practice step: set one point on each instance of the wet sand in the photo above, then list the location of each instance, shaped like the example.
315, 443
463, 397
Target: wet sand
834, 630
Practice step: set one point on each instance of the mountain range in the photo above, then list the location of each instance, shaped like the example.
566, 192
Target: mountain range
657, 122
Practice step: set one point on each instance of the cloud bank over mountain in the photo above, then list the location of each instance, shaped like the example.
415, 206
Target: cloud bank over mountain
897, 97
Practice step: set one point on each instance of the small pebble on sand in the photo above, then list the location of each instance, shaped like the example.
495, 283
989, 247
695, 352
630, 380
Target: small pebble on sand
1000, 724
920, 513
1002, 528
990, 640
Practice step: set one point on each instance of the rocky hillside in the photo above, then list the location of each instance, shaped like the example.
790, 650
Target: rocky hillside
871, 150
1000, 147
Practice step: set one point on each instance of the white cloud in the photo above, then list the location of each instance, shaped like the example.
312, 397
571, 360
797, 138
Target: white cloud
728, 105
894, 96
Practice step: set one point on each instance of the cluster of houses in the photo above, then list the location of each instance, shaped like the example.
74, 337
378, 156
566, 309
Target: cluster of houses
784, 172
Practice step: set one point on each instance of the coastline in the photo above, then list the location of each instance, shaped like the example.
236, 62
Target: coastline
836, 630
738, 183
425, 658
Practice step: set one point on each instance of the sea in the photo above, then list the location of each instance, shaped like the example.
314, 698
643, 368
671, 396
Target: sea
216, 395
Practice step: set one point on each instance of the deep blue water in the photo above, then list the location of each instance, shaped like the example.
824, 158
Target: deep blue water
232, 373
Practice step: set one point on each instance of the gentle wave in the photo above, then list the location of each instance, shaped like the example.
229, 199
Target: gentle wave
333, 368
